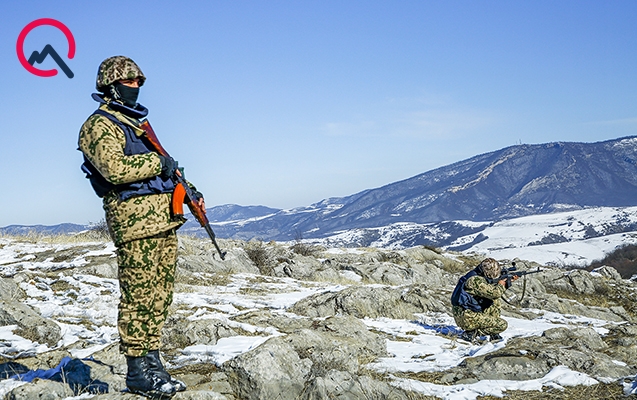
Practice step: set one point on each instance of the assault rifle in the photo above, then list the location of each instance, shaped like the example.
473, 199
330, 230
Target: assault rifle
509, 273
183, 193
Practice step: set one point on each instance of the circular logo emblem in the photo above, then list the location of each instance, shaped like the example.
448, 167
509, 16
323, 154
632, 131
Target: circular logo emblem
48, 50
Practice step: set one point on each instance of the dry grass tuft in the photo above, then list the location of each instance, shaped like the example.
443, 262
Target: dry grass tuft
605, 296
601, 391
260, 256
306, 249
33, 237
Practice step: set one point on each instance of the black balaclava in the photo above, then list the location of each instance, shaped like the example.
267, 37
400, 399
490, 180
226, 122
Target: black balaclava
126, 94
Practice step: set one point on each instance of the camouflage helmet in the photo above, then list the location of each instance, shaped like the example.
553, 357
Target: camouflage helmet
117, 68
490, 268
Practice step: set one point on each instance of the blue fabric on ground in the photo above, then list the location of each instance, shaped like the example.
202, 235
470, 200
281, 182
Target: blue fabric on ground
71, 371
11, 368
41, 373
442, 329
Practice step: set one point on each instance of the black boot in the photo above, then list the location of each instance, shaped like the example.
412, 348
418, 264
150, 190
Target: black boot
141, 380
468, 336
154, 362
495, 337
471, 336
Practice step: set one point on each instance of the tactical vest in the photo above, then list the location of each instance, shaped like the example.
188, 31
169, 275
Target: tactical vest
461, 298
134, 145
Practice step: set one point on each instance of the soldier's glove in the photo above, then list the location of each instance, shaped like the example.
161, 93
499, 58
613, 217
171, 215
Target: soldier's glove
197, 194
168, 166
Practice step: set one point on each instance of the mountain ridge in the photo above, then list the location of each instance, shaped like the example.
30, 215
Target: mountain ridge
507, 183
512, 182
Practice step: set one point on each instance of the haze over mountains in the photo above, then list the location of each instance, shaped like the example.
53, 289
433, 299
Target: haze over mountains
512, 182
441, 206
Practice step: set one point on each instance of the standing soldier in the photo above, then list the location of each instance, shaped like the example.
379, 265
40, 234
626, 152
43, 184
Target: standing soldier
136, 188
476, 302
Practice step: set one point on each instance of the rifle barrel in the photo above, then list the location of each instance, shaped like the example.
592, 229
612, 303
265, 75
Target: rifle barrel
178, 178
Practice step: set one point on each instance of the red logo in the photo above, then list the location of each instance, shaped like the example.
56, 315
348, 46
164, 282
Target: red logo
39, 56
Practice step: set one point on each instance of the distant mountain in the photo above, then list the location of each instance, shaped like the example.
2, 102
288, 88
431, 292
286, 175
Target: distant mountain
233, 212
59, 229
511, 182
452, 205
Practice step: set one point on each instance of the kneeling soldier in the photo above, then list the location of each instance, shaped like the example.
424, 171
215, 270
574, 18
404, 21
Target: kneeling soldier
476, 302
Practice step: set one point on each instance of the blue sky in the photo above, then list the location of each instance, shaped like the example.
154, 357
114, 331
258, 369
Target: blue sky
286, 103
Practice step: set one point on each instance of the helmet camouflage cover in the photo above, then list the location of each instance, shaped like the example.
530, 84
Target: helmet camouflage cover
490, 268
117, 68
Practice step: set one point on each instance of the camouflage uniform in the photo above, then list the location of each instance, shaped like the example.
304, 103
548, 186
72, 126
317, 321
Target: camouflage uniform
102, 142
487, 322
146, 276
141, 227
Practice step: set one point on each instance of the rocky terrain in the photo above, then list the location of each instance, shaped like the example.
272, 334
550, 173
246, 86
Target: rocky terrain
299, 321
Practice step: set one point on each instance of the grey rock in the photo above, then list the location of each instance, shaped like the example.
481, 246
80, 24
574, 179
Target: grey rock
372, 302
285, 323
581, 281
187, 395
180, 333
105, 267
31, 325
553, 303
40, 390
581, 338
592, 363
199, 395
112, 357
340, 342
506, 366
304, 268
47, 360
271, 371
200, 256
388, 273
345, 385
608, 272
10, 291
533, 357
216, 382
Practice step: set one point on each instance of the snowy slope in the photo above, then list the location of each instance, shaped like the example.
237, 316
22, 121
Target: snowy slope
418, 346
568, 238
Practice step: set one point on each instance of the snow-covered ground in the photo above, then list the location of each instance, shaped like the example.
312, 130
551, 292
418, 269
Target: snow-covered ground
573, 238
520, 237
421, 347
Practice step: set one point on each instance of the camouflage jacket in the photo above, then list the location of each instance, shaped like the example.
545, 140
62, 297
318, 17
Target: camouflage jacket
102, 142
477, 286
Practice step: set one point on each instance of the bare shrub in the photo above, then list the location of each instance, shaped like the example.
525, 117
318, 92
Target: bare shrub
99, 229
306, 249
259, 255
624, 260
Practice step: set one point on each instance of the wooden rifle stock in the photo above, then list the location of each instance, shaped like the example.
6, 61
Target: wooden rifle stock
182, 193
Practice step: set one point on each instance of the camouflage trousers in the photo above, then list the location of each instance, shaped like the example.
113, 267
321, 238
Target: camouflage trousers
146, 281
487, 322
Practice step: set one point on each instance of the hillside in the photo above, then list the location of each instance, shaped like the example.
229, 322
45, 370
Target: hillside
512, 182
275, 321
465, 206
